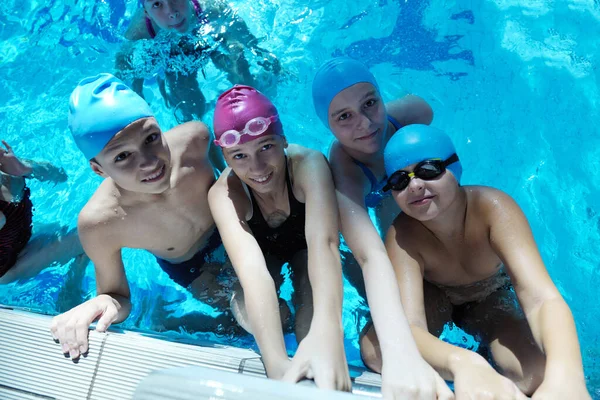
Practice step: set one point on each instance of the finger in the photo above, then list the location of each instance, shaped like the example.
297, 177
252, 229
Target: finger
295, 373
346, 383
81, 333
325, 380
107, 318
54, 328
70, 337
6, 145
442, 389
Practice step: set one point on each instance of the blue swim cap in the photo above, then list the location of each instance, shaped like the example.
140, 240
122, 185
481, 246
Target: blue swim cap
99, 107
333, 77
416, 143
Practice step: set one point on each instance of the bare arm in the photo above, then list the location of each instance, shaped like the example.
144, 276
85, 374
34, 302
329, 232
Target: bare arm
367, 247
322, 237
409, 268
41, 170
98, 241
228, 204
549, 317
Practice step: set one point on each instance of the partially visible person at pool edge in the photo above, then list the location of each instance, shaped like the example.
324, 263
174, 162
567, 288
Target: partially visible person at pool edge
275, 203
473, 244
347, 100
224, 25
20, 256
154, 197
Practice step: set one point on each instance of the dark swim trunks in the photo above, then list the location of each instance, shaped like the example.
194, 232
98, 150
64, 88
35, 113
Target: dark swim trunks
184, 273
16, 232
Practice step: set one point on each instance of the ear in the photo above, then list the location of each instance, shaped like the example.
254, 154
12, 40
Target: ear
285, 142
98, 169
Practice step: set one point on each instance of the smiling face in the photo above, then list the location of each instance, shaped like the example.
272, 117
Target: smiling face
259, 163
137, 158
174, 15
357, 118
424, 200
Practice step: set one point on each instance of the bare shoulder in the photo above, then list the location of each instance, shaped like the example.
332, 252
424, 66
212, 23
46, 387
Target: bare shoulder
488, 200
343, 167
301, 156
137, 28
228, 188
193, 135
410, 109
100, 218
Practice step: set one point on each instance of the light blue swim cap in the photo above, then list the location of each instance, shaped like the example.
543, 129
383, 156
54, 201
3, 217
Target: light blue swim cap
333, 77
415, 143
99, 107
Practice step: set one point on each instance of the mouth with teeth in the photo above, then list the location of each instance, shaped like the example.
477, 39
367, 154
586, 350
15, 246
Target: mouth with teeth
263, 179
156, 176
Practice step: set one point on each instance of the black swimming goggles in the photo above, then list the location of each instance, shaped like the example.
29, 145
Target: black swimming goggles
426, 170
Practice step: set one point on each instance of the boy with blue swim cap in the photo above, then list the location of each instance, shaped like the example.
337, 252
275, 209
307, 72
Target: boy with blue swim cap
348, 101
154, 197
466, 254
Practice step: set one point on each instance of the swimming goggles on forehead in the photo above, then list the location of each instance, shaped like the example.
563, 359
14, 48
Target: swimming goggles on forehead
255, 127
426, 170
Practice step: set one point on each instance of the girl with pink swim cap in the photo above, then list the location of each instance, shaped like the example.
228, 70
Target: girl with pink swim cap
275, 204
181, 91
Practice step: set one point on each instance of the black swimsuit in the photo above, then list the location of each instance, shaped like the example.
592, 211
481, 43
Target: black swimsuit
16, 232
288, 238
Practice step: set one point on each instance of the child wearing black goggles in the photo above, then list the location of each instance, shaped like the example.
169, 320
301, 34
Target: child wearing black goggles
465, 254
426, 170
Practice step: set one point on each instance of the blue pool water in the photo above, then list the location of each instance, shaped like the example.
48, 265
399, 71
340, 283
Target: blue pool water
515, 83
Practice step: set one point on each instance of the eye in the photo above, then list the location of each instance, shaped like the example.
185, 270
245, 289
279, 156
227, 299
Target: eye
370, 103
152, 138
239, 156
122, 156
156, 4
344, 116
267, 147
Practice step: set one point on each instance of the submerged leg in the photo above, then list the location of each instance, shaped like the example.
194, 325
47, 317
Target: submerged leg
438, 311
42, 251
501, 323
185, 96
302, 296
238, 303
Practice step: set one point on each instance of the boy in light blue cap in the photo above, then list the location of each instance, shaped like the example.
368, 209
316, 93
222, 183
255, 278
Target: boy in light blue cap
466, 254
154, 197
348, 101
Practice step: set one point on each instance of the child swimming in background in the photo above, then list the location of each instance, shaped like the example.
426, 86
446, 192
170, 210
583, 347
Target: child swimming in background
154, 197
210, 29
275, 204
347, 99
20, 256
466, 254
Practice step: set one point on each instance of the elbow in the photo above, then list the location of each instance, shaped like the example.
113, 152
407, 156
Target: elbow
324, 242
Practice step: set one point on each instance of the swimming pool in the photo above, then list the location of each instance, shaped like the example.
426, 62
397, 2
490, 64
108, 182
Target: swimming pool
515, 85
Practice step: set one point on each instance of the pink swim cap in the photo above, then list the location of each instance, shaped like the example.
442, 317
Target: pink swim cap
240, 104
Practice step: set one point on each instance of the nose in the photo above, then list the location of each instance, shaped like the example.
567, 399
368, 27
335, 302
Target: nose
148, 161
172, 11
415, 184
257, 165
364, 122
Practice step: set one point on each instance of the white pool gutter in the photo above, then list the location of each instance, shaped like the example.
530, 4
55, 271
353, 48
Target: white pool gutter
32, 366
